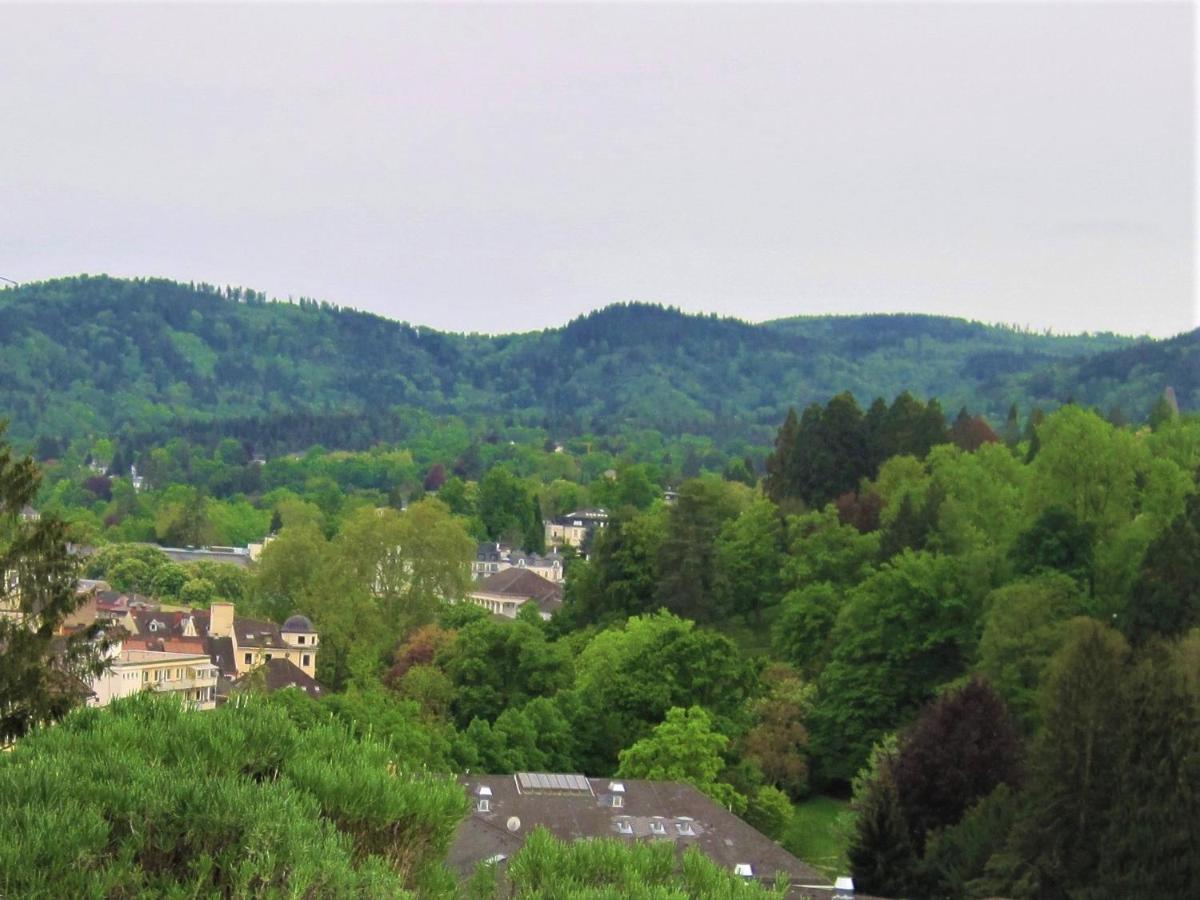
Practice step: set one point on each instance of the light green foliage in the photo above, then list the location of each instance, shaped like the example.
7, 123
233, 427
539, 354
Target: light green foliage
900, 477
901, 633
183, 518
410, 562
169, 581
683, 748
1087, 467
534, 737
198, 592
1024, 625
982, 495
496, 665
127, 567
803, 627
770, 811
748, 557
238, 801
819, 832
607, 869
823, 549
628, 677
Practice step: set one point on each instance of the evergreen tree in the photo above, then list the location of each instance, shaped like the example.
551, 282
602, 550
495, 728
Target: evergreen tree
1012, 428
779, 483
41, 677
1162, 412
1166, 598
881, 855
1057, 844
1152, 844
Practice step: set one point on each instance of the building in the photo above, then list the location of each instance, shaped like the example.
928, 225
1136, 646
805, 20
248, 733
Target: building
491, 559
235, 556
276, 675
505, 809
506, 592
189, 675
576, 528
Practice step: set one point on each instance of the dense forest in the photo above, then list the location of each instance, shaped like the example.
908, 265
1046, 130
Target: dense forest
977, 646
151, 360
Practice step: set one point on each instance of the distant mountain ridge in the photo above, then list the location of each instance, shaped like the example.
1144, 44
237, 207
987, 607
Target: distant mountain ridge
99, 355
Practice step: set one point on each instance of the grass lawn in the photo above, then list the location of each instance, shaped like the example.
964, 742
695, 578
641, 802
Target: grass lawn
819, 833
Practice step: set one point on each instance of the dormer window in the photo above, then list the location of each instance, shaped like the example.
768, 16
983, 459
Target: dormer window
617, 789
685, 828
483, 802
657, 827
624, 826
744, 870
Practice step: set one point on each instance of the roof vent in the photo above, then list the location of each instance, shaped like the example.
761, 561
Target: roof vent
513, 824
744, 870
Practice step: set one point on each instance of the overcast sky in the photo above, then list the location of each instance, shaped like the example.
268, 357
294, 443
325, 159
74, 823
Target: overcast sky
507, 168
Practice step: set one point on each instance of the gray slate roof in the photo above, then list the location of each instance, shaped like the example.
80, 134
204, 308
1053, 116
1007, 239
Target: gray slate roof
654, 810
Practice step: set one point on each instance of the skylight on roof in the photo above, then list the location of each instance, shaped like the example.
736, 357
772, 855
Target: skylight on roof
744, 870
552, 782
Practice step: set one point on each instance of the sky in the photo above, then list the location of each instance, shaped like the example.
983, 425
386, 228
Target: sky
507, 168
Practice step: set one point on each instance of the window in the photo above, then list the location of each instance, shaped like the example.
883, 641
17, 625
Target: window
248, 658
306, 660
618, 801
267, 656
300, 639
485, 805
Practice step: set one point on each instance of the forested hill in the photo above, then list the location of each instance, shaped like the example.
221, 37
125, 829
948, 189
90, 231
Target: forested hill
101, 355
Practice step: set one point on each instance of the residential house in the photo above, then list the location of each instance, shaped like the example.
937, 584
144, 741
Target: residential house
505, 592
491, 558
189, 675
505, 809
276, 675
575, 528
235, 645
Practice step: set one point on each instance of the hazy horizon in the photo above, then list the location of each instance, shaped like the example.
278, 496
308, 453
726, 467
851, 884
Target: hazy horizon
560, 324
497, 169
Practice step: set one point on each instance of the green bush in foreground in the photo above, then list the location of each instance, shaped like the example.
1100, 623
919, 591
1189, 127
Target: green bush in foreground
146, 799
549, 869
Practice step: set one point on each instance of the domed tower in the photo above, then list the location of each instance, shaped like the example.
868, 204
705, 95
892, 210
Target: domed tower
298, 632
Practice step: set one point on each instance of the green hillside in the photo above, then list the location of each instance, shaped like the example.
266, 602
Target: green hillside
154, 358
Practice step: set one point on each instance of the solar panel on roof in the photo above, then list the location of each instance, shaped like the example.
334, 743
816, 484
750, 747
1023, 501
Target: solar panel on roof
553, 782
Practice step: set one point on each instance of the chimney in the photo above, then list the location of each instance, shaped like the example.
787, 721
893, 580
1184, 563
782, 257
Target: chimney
220, 622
